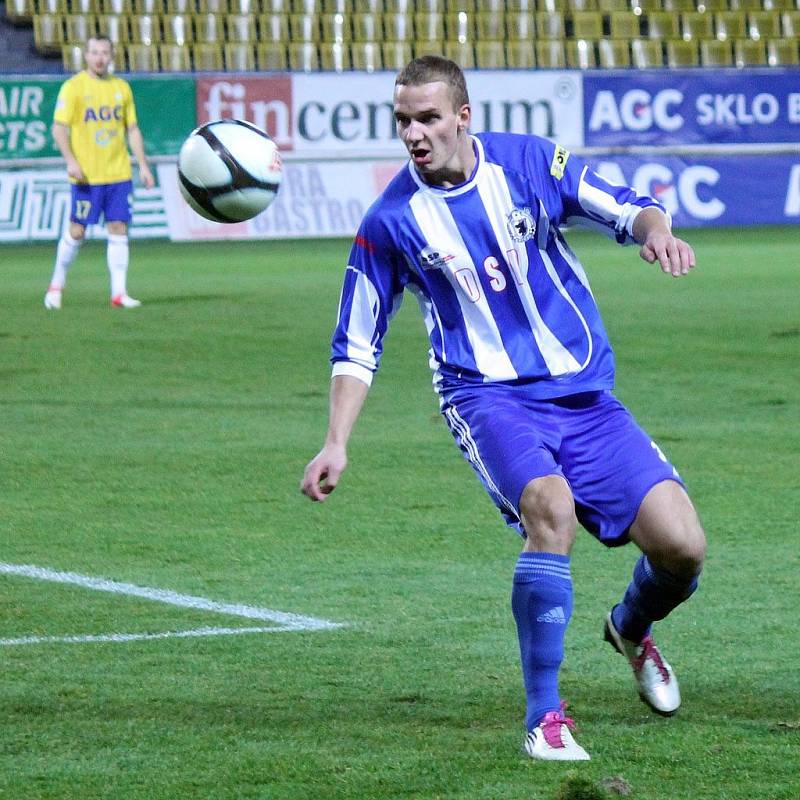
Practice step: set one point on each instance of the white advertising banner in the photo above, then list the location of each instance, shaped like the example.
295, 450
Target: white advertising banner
316, 199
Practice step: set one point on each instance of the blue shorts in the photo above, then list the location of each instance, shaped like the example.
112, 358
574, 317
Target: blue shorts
590, 439
90, 200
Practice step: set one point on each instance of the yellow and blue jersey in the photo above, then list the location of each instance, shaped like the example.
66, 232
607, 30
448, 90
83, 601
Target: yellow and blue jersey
98, 112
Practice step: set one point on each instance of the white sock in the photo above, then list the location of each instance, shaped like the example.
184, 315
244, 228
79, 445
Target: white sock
117, 255
65, 254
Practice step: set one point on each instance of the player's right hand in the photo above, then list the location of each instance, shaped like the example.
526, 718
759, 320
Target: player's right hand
75, 172
323, 472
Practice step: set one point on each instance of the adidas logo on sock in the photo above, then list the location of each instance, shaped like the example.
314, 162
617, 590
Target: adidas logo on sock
554, 615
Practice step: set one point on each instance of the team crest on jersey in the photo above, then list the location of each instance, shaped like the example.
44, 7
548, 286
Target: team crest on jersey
431, 258
521, 224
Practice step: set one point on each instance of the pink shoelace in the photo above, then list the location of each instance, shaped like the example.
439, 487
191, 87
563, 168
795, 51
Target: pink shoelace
649, 650
551, 726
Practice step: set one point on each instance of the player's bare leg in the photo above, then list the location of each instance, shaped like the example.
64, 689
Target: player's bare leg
671, 538
68, 246
118, 257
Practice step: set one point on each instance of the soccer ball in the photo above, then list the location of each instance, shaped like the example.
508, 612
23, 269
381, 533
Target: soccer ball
229, 170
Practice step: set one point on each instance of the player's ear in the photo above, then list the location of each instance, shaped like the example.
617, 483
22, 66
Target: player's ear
464, 117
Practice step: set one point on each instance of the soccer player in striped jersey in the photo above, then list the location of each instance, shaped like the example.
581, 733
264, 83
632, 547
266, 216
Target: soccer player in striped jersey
524, 371
93, 125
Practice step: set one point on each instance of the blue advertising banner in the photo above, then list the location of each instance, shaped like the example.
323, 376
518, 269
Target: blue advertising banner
663, 107
736, 190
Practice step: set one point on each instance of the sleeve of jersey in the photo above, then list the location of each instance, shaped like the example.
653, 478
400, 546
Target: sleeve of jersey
371, 295
64, 106
130, 108
591, 201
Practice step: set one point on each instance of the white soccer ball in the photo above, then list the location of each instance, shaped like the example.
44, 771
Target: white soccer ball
229, 170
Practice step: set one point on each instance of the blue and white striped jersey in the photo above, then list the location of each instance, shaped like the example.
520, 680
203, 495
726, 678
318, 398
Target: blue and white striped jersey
503, 297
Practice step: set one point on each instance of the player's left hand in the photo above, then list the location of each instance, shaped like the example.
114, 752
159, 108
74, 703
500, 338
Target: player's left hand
675, 257
146, 177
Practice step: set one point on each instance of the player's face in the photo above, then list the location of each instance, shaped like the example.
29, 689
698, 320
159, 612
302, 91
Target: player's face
98, 57
434, 132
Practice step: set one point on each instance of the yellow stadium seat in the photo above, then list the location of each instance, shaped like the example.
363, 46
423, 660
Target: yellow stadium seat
180, 7
679, 6
581, 5
744, 5
116, 7
778, 5
207, 57
783, 52
48, 33
334, 56
151, 7
646, 53
275, 6
460, 26
730, 25
72, 57
79, 27
174, 57
244, 6
177, 29
522, 26
273, 28
435, 48
490, 55
430, 6
520, 54
271, 56
550, 54
613, 53
429, 26
141, 57
240, 28
587, 25
212, 7
712, 6
521, 5
549, 26
366, 56
395, 54
490, 26
335, 28
403, 6
696, 25
607, 6
463, 53
303, 57
547, 6
646, 6
790, 22
716, 53
454, 6
580, 53
336, 7
20, 11
623, 25
144, 29
239, 56
663, 25
490, 6
367, 27
306, 7
52, 7
83, 6
368, 6
749, 53
209, 29
763, 25
682, 53
115, 26
398, 27
303, 28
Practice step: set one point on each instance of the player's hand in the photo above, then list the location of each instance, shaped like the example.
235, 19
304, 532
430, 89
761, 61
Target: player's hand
146, 176
675, 257
323, 472
75, 172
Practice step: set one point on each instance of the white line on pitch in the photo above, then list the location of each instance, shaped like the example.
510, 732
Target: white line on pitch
138, 637
287, 620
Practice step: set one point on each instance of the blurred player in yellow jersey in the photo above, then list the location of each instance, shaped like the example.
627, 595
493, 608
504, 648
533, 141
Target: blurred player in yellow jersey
93, 125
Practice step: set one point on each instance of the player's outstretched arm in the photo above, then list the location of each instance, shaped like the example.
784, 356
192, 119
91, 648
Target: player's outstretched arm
323, 471
651, 230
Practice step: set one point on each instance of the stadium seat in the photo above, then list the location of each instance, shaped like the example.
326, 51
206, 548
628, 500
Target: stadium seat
147, 7
52, 7
395, 55
367, 27
646, 53
550, 54
275, 6
454, 6
548, 6
209, 29
744, 5
430, 6
613, 54
623, 25
763, 25
144, 29
335, 28
607, 6
271, 56
244, 7
429, 26
463, 53
460, 26
520, 54
749, 53
696, 25
79, 27
428, 49
334, 56
366, 56
662, 25
400, 6
646, 6
19, 11
524, 5
72, 57
240, 28
273, 28
177, 29
336, 7
580, 53
521, 26
180, 7
679, 6
790, 22
778, 5
398, 27
682, 53
712, 6
581, 5
368, 6
207, 57
303, 57
490, 55
490, 6
305, 6
115, 6
716, 53
490, 26
141, 57
174, 57
587, 25
303, 28
48, 33
782, 52
84, 7
548, 25
212, 6
115, 26
730, 25
239, 56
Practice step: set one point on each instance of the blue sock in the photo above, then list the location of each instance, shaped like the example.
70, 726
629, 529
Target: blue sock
651, 595
542, 603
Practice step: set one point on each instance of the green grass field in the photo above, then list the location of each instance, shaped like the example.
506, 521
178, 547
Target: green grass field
163, 447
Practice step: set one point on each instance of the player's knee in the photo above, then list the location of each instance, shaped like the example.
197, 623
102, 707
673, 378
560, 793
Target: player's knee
548, 514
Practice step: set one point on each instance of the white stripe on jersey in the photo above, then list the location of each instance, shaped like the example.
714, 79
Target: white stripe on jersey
605, 205
437, 225
497, 201
362, 323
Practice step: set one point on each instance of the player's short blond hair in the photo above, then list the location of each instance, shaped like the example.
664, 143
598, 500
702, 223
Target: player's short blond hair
429, 69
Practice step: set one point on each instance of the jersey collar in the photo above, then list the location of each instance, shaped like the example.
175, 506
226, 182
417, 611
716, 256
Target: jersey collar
461, 188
